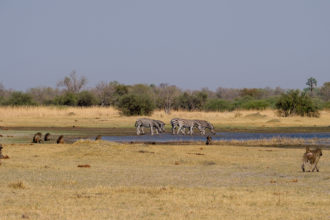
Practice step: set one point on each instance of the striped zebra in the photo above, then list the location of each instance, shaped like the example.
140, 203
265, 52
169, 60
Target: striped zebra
182, 124
147, 123
161, 124
203, 125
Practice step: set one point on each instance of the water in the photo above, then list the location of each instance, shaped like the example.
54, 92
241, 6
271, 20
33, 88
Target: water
325, 136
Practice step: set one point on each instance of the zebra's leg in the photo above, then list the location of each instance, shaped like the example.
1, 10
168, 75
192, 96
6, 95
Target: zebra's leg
151, 129
191, 130
157, 131
303, 166
315, 167
200, 129
179, 129
183, 131
137, 130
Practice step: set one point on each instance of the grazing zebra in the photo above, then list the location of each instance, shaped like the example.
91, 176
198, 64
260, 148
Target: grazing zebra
161, 125
203, 125
147, 123
182, 124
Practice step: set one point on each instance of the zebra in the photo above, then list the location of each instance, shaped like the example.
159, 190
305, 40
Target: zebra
182, 124
161, 125
147, 123
203, 125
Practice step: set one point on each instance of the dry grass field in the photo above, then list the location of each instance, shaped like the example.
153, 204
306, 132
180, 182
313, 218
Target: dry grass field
102, 180
110, 117
43, 181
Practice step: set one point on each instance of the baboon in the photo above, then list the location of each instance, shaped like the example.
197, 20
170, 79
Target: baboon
208, 140
37, 138
1, 155
313, 157
60, 140
47, 137
98, 137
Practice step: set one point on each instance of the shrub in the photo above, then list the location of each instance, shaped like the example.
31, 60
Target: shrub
241, 101
326, 105
296, 103
218, 105
136, 105
255, 104
86, 98
20, 98
190, 102
2, 100
68, 98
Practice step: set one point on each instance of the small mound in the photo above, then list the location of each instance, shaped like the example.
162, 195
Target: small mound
17, 185
273, 121
84, 166
255, 116
208, 163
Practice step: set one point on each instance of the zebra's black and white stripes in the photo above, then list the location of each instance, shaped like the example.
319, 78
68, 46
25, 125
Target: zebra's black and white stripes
141, 123
179, 125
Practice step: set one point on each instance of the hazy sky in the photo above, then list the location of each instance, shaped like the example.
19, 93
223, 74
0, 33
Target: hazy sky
192, 44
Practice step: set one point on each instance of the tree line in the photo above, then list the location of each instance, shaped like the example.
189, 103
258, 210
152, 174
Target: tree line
142, 99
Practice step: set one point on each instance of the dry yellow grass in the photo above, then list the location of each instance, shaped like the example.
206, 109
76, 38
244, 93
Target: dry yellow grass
110, 117
276, 141
42, 181
118, 181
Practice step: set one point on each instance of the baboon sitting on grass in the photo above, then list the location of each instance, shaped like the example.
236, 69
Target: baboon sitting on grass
60, 140
47, 137
312, 157
37, 138
208, 140
1, 155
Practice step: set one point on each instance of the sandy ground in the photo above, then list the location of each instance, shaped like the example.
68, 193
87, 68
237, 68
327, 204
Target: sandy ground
138, 181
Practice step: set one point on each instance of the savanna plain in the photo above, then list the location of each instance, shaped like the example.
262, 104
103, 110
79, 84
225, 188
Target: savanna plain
87, 179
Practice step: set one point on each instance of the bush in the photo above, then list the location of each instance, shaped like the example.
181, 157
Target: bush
68, 98
20, 98
296, 103
218, 105
255, 104
190, 102
86, 98
2, 100
136, 105
326, 105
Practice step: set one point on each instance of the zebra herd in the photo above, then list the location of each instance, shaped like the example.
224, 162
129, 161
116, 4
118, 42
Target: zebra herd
178, 125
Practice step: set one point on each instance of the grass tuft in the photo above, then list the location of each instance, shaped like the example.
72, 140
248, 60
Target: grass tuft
17, 185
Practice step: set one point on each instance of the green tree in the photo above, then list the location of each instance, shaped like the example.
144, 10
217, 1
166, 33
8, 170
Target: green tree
296, 103
325, 91
86, 98
311, 83
68, 98
20, 98
132, 104
220, 105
